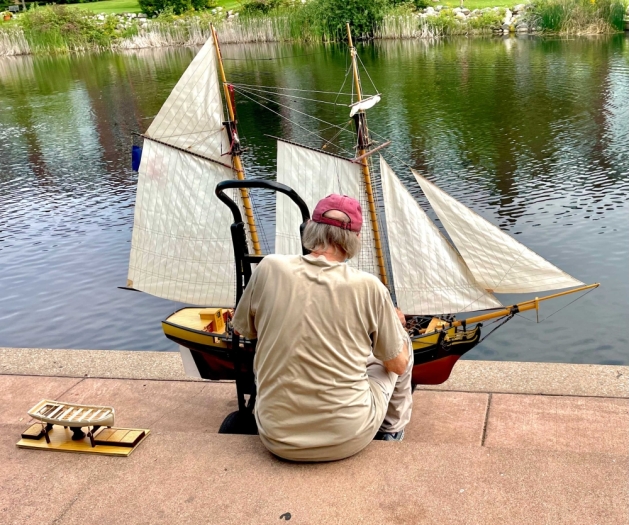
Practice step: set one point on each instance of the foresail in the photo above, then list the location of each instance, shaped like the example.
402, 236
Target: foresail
314, 175
429, 275
192, 116
181, 247
499, 262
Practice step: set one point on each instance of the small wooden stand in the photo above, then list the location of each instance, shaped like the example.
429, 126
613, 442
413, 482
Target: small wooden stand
107, 441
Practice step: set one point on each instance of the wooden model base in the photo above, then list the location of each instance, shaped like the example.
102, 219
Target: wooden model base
108, 441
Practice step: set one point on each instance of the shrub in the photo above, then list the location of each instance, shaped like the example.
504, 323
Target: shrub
486, 20
365, 16
58, 28
421, 4
254, 7
155, 7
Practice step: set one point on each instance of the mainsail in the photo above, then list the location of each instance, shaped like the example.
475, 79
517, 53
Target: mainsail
314, 175
429, 275
497, 261
192, 116
181, 246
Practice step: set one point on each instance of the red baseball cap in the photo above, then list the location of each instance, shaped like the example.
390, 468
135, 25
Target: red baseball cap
343, 203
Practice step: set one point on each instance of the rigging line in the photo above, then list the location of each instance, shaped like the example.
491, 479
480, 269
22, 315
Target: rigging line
291, 89
292, 122
506, 320
254, 206
347, 71
277, 58
297, 111
402, 161
580, 297
294, 96
368, 76
339, 132
261, 231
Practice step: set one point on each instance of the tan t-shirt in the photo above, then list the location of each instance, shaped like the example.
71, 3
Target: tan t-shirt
316, 323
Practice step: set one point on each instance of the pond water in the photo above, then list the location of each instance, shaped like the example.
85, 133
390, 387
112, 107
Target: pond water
531, 133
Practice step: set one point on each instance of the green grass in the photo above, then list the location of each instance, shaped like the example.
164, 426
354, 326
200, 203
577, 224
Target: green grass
111, 7
480, 4
229, 4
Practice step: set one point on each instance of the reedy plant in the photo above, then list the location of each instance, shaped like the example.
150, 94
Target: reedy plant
57, 28
579, 16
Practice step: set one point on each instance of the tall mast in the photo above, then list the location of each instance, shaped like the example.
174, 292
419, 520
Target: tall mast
360, 119
235, 149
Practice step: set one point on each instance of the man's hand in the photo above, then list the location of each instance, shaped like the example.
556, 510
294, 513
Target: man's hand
398, 364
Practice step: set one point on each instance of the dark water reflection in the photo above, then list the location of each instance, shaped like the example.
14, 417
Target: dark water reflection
531, 134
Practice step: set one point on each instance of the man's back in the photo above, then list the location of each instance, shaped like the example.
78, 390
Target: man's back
316, 323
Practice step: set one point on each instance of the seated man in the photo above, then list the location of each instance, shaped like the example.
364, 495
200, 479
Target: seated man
333, 363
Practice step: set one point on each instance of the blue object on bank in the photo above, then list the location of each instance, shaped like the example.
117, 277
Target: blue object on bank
136, 157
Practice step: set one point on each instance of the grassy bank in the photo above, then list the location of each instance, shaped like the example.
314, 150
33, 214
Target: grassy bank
59, 29
112, 7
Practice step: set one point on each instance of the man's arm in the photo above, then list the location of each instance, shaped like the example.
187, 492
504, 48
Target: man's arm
398, 364
244, 316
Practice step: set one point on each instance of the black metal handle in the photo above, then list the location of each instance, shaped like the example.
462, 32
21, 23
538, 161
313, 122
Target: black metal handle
265, 184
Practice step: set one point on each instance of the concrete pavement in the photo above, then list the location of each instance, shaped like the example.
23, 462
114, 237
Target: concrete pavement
501, 455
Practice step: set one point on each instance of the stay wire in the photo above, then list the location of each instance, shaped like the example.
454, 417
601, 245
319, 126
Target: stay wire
506, 320
296, 111
291, 96
254, 206
291, 89
276, 58
367, 72
347, 70
291, 121
566, 306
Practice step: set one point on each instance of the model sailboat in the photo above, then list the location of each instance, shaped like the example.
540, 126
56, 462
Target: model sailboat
182, 247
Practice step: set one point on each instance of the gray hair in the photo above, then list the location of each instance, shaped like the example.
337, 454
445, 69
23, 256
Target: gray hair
324, 236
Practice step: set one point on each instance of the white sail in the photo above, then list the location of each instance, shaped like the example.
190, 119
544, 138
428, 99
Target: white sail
181, 248
315, 175
192, 116
499, 262
429, 275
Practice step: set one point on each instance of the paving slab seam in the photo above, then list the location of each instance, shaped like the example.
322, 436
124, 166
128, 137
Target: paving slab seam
223, 382
516, 393
484, 435
68, 507
70, 388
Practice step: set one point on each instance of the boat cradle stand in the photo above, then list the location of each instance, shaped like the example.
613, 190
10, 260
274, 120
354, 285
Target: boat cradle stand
60, 427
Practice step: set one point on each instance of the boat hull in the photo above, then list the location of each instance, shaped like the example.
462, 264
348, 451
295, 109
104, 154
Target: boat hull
435, 354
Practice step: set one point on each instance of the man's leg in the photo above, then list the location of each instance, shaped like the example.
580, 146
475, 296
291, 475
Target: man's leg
397, 392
